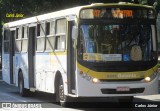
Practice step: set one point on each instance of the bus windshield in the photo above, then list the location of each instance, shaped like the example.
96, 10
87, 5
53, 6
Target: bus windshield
127, 42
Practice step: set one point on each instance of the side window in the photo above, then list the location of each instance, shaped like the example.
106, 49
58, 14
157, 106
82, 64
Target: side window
38, 29
42, 29
60, 41
18, 39
61, 26
6, 41
50, 36
52, 27
24, 39
40, 36
22, 32
47, 28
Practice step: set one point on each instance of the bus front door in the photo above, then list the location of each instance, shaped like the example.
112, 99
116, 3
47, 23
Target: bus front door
70, 60
31, 56
11, 57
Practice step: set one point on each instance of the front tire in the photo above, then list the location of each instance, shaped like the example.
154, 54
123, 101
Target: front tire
62, 98
23, 92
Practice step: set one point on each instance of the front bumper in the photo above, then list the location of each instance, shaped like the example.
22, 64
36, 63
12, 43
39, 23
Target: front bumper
108, 89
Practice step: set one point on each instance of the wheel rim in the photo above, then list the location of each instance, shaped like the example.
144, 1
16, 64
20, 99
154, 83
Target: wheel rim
61, 93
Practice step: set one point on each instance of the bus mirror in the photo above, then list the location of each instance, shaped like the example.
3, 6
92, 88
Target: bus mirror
74, 32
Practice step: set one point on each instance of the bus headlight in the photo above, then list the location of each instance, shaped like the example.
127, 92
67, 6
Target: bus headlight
147, 79
95, 80
89, 78
150, 78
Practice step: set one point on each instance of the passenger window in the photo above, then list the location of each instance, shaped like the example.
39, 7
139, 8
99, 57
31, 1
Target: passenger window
50, 38
42, 29
47, 28
50, 43
24, 39
6, 41
60, 40
38, 29
40, 42
18, 39
61, 26
52, 28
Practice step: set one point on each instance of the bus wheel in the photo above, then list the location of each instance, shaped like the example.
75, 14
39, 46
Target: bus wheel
62, 97
23, 92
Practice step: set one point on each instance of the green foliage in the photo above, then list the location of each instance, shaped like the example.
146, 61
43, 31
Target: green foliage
144, 2
35, 7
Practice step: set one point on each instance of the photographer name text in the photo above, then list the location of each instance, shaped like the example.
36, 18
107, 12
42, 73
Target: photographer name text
14, 15
146, 105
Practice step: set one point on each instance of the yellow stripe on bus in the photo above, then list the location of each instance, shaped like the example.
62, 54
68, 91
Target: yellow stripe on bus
117, 75
58, 53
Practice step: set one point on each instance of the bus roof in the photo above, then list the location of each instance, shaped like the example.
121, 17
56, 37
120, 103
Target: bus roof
62, 13
52, 15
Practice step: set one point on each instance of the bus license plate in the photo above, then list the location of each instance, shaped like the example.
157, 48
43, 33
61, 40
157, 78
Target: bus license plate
122, 89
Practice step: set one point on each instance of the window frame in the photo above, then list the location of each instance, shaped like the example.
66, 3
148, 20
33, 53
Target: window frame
6, 41
18, 38
60, 35
25, 38
51, 35
42, 36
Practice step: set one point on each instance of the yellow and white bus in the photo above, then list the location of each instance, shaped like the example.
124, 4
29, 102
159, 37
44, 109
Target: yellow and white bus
98, 50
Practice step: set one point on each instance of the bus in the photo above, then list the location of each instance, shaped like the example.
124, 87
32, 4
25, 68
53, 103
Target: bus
97, 50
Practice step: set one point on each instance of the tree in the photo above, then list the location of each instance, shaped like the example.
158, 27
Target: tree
143, 2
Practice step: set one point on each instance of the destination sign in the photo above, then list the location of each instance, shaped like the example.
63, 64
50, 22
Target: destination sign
122, 13
117, 13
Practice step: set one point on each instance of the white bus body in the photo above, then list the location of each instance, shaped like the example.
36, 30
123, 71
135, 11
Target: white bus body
40, 50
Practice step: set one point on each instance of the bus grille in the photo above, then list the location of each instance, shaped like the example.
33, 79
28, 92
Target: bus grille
120, 80
113, 91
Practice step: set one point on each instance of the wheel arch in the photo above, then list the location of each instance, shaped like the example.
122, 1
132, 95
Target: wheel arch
59, 75
19, 75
